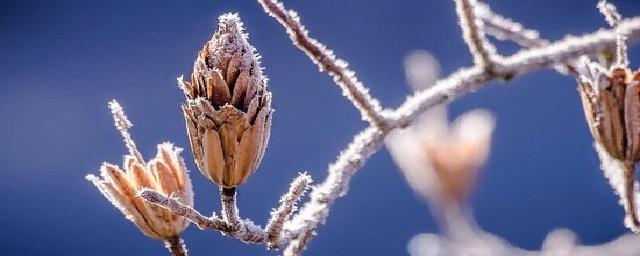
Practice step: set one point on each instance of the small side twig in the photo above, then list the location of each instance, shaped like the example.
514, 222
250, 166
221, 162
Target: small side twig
612, 17
123, 125
183, 210
503, 28
484, 53
246, 231
352, 88
176, 246
287, 206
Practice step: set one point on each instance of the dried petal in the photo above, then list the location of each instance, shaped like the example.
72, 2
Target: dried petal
213, 157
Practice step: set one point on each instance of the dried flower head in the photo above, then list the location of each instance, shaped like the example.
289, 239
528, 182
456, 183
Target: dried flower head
611, 104
443, 161
439, 160
166, 173
228, 108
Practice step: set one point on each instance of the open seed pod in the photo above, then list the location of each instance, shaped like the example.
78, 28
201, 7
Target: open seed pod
228, 108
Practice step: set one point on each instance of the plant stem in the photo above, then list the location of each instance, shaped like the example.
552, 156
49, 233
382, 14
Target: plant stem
176, 246
229, 208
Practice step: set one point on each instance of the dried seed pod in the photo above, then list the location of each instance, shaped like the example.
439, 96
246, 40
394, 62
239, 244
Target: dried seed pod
603, 103
611, 102
228, 108
166, 173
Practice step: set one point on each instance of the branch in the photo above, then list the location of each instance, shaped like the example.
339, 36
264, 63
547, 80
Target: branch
470, 79
274, 228
335, 185
245, 231
455, 85
506, 29
337, 68
613, 18
473, 33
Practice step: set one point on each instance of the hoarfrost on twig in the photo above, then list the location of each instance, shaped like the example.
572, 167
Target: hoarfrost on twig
326, 60
612, 17
484, 53
287, 206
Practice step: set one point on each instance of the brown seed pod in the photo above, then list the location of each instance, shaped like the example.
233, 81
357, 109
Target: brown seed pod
228, 108
166, 173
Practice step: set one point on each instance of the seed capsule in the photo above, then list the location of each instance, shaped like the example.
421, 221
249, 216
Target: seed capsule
228, 108
166, 173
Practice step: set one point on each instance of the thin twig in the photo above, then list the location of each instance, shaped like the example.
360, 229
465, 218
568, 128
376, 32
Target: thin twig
183, 210
123, 125
287, 206
504, 28
612, 17
245, 231
352, 88
483, 52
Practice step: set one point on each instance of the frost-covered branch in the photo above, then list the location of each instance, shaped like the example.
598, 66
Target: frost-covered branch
287, 206
470, 79
230, 224
484, 53
612, 17
326, 60
185, 211
460, 82
315, 212
506, 29
245, 231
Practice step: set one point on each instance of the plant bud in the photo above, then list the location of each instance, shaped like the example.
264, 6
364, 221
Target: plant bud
166, 173
228, 108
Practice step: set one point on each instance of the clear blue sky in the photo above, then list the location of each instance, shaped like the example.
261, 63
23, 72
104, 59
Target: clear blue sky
61, 61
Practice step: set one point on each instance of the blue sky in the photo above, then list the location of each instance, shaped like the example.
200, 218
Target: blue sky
63, 60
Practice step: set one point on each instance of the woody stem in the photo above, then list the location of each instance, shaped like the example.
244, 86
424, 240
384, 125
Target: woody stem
229, 208
176, 246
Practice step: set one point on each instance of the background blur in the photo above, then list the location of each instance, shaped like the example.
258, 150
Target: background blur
61, 61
